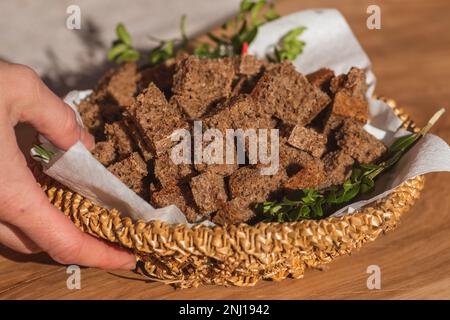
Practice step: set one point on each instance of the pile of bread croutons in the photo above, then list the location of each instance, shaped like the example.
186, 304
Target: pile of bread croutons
320, 118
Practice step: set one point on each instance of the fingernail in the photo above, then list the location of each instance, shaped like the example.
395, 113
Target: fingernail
87, 139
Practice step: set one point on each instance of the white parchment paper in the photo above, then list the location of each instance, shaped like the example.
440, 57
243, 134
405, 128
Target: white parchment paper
329, 43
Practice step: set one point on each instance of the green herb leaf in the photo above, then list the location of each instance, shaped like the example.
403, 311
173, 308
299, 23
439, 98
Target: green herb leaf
41, 153
123, 34
122, 50
289, 47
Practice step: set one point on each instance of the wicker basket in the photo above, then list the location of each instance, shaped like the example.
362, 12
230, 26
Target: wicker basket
238, 255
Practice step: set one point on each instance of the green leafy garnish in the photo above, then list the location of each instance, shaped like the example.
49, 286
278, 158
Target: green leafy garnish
236, 35
289, 47
41, 153
122, 49
313, 204
239, 31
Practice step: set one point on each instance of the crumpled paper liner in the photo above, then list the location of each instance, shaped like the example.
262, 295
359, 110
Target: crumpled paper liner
330, 43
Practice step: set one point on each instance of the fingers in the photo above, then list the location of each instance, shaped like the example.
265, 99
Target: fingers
25, 206
14, 239
40, 107
57, 235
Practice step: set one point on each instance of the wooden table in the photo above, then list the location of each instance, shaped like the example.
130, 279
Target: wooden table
411, 58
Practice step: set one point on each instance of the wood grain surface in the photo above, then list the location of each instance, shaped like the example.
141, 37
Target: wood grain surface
411, 58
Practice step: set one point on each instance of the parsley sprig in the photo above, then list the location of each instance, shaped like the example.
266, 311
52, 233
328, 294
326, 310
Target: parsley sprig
39, 152
239, 31
122, 49
290, 46
313, 204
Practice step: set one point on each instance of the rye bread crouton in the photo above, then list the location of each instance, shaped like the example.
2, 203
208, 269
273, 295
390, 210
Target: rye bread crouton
121, 85
161, 75
105, 152
349, 101
252, 187
352, 84
156, 119
91, 115
292, 159
358, 143
288, 95
209, 192
310, 177
131, 171
338, 167
240, 112
169, 173
178, 195
198, 84
233, 212
248, 65
308, 140
118, 133
138, 138
321, 79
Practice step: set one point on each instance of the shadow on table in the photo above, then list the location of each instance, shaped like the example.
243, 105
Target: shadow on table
41, 258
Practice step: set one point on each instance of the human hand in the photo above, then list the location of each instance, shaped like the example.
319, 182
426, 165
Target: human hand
28, 222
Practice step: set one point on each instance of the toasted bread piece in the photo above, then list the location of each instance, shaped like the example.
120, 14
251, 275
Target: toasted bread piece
321, 79
199, 84
338, 166
156, 119
169, 173
308, 140
288, 95
131, 171
209, 192
118, 133
232, 212
358, 143
105, 152
178, 195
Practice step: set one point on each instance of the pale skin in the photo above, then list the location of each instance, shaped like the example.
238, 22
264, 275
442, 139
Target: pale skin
28, 222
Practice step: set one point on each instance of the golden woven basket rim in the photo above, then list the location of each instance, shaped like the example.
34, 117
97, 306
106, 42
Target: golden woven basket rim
236, 254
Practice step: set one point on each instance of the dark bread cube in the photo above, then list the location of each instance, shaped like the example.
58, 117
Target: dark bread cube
338, 166
248, 65
178, 195
321, 78
308, 140
156, 119
252, 187
119, 134
233, 212
201, 83
309, 177
352, 84
131, 171
240, 112
105, 152
209, 192
288, 95
358, 143
161, 75
169, 173
122, 83
90, 112
138, 139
